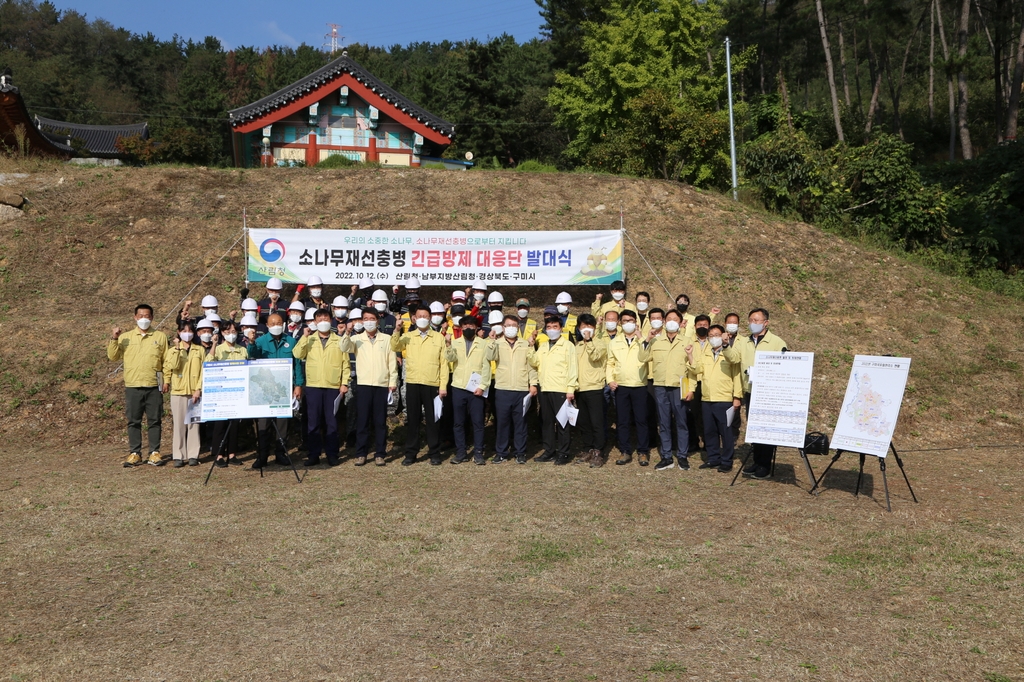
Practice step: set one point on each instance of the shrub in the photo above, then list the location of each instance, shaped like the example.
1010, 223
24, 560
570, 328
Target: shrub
337, 161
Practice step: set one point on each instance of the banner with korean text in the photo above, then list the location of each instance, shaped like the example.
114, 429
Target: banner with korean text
436, 258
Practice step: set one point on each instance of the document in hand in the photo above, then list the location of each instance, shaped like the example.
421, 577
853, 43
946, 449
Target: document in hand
730, 414
567, 414
194, 413
438, 406
391, 397
526, 403
337, 403
474, 382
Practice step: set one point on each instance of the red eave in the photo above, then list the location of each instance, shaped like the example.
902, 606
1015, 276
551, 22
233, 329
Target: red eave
364, 92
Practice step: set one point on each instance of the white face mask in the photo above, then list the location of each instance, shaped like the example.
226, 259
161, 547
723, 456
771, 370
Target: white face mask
312, 325
274, 295
323, 326
511, 332
206, 338
716, 341
209, 311
341, 313
587, 332
522, 312
756, 328
657, 324
618, 295
629, 327
370, 326
276, 330
436, 320
478, 296
185, 336
230, 338
295, 317
642, 305
671, 326
144, 323
315, 293
422, 323
562, 309
732, 328
380, 307
456, 320
553, 334
611, 326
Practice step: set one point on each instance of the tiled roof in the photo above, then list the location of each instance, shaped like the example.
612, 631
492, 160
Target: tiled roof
343, 64
99, 140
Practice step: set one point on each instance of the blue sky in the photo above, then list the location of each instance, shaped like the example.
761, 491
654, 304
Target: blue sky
265, 22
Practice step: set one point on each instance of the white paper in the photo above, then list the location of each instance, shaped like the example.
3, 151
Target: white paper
871, 406
391, 397
730, 415
295, 405
526, 403
751, 373
337, 403
474, 382
562, 416
194, 413
572, 411
438, 407
779, 399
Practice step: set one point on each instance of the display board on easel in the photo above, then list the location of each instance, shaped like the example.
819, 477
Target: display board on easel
871, 407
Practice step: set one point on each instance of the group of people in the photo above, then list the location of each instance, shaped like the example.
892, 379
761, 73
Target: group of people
666, 378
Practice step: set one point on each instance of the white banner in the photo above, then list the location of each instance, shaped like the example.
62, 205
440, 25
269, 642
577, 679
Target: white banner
872, 404
779, 398
247, 389
438, 258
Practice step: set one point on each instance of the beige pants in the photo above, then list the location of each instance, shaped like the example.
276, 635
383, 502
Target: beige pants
186, 437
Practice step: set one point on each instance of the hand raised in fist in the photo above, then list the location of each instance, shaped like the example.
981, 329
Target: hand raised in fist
116, 333
493, 334
599, 297
533, 337
715, 311
305, 330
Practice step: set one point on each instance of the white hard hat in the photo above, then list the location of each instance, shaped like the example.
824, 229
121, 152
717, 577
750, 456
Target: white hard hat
413, 283
479, 284
365, 283
437, 307
563, 297
209, 301
204, 324
275, 283
340, 302
495, 297
296, 305
310, 312
379, 295
495, 317
249, 320
458, 295
213, 317
250, 304
314, 281
355, 314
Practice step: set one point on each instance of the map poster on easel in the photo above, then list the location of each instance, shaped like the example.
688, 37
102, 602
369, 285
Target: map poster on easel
872, 404
247, 389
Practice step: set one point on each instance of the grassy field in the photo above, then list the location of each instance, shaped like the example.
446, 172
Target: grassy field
501, 572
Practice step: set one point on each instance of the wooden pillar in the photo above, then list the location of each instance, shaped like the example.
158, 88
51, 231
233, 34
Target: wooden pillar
372, 155
312, 153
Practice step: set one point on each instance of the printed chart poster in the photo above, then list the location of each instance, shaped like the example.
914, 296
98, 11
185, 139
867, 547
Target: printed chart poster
247, 389
779, 398
442, 258
872, 404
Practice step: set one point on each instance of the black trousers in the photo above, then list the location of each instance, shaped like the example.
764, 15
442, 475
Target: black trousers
419, 400
148, 401
631, 402
466, 404
511, 424
222, 445
555, 437
717, 435
320, 412
372, 412
590, 423
695, 420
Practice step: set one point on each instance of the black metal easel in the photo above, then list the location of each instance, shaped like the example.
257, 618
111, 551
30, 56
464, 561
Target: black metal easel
860, 474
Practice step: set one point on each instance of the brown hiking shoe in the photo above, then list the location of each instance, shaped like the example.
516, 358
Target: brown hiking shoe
584, 457
624, 458
597, 459
644, 458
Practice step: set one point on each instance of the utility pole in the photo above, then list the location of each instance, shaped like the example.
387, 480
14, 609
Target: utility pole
732, 125
335, 39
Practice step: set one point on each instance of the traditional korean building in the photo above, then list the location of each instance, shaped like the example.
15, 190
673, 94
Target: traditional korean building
339, 109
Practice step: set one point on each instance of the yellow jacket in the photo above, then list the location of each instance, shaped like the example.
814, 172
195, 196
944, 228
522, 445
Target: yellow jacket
425, 361
326, 365
525, 331
512, 370
376, 364
226, 352
743, 350
721, 376
185, 368
627, 363
465, 364
592, 362
556, 364
569, 328
143, 356
597, 309
669, 363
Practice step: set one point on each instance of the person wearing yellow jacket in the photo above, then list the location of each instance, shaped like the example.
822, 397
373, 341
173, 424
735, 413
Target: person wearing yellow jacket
591, 362
672, 383
618, 303
183, 363
225, 431
743, 351
468, 357
558, 374
426, 378
142, 351
627, 377
376, 379
514, 380
327, 376
721, 390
